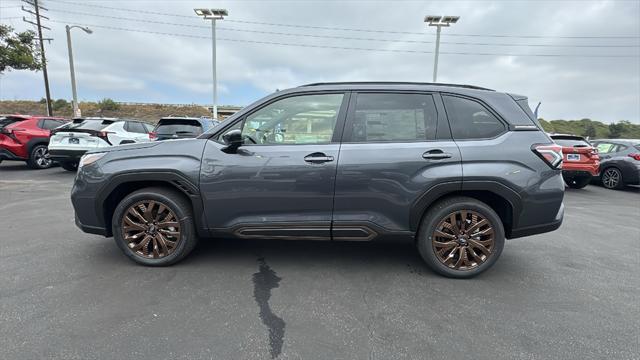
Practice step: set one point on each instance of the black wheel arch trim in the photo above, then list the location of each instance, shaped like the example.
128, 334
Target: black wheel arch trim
173, 179
35, 142
455, 187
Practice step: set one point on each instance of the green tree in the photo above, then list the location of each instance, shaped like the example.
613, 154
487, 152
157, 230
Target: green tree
18, 50
60, 104
616, 130
108, 105
590, 131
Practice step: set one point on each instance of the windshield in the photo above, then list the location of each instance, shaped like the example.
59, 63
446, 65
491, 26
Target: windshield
90, 125
170, 127
4, 121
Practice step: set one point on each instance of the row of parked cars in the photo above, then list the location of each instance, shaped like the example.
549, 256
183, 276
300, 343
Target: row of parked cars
40, 140
614, 163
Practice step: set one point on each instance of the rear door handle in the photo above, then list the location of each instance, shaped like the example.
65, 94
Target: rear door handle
318, 158
436, 154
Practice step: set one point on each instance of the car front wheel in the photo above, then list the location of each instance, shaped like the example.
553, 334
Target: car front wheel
460, 237
154, 227
612, 178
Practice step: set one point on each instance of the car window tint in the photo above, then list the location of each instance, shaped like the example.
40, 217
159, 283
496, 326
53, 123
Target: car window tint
51, 124
178, 126
90, 124
604, 148
394, 117
471, 120
306, 119
136, 127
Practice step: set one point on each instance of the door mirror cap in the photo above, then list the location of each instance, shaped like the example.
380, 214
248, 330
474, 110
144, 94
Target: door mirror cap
233, 140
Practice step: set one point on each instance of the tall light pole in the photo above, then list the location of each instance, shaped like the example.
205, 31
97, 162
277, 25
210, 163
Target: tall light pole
439, 22
213, 15
76, 110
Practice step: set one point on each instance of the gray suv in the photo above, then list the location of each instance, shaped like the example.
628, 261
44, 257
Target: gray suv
455, 169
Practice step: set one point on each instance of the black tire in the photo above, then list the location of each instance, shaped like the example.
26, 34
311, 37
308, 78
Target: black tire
441, 210
611, 178
174, 201
39, 157
69, 165
577, 182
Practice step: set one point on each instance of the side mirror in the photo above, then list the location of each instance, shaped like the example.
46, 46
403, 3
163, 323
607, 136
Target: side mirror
233, 140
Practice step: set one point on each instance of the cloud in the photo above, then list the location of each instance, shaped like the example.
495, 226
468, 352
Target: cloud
138, 66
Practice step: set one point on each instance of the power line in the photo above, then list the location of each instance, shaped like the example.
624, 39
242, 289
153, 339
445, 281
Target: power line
342, 37
347, 48
357, 30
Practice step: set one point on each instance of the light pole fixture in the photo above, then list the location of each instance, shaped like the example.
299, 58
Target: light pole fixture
439, 22
213, 15
76, 110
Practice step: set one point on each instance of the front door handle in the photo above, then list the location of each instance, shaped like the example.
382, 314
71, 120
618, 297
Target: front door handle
436, 154
318, 158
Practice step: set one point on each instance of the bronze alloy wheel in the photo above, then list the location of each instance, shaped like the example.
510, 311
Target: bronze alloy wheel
150, 229
463, 240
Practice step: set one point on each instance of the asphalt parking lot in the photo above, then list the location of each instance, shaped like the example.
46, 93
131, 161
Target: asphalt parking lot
569, 294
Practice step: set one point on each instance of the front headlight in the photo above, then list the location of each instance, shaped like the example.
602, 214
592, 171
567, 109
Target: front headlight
90, 159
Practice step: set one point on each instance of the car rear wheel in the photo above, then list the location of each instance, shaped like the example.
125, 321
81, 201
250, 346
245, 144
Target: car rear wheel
612, 178
154, 227
577, 182
69, 165
460, 237
39, 157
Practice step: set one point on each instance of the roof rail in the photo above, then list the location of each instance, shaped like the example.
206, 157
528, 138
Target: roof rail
395, 83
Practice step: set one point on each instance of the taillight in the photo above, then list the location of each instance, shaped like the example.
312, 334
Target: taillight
594, 154
635, 156
104, 136
550, 153
10, 132
153, 136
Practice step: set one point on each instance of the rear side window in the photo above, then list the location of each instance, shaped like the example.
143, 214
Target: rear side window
470, 119
604, 148
49, 124
178, 126
394, 117
136, 127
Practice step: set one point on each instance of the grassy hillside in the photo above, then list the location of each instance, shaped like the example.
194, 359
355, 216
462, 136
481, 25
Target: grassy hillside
148, 112
593, 129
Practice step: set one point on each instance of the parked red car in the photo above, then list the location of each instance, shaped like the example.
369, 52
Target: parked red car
580, 160
26, 137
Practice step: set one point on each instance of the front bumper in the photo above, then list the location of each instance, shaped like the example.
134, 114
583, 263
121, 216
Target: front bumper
539, 228
66, 155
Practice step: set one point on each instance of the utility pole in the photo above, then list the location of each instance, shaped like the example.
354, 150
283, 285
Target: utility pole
213, 15
39, 26
439, 22
76, 110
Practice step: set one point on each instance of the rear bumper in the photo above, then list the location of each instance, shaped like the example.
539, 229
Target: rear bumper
539, 228
66, 155
580, 169
90, 229
8, 155
578, 173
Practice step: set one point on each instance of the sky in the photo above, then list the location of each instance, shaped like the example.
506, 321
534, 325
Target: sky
160, 51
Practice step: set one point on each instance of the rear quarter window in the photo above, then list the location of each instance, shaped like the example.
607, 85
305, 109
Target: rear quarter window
568, 142
469, 119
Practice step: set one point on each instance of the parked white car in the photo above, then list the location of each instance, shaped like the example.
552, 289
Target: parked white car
69, 142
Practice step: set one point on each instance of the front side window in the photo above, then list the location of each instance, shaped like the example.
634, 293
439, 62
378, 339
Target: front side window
394, 117
306, 119
136, 127
471, 120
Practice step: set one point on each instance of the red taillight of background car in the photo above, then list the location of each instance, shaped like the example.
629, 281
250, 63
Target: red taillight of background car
10, 132
550, 153
635, 156
153, 136
104, 135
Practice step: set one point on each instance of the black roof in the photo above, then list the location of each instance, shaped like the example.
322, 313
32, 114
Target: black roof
395, 83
